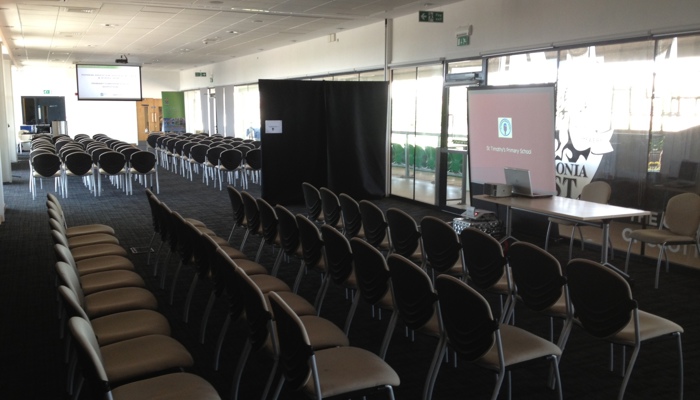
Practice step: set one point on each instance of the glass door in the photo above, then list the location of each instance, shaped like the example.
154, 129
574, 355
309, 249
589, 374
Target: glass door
460, 76
416, 107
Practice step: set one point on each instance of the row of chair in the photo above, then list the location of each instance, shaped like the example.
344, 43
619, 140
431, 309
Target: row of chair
387, 283
120, 342
527, 274
90, 159
218, 157
246, 284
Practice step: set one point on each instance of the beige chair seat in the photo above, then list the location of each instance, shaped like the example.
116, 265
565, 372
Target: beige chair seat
518, 346
658, 236
117, 300
358, 367
98, 250
650, 326
269, 283
103, 263
177, 386
298, 304
142, 356
91, 239
88, 230
250, 267
112, 279
127, 325
232, 252
119, 326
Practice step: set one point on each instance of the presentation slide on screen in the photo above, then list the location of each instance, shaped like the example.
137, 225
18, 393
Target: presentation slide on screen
512, 126
109, 82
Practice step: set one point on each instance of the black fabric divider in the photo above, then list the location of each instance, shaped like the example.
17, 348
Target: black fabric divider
356, 120
333, 135
298, 154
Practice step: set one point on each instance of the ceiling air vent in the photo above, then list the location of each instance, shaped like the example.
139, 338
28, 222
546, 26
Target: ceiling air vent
81, 10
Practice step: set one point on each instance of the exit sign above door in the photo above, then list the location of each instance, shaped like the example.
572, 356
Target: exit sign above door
430, 16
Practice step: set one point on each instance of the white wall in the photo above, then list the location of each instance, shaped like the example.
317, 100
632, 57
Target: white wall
498, 25
116, 119
353, 49
504, 25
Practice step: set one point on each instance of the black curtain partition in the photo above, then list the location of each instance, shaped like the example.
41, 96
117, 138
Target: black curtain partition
333, 135
356, 123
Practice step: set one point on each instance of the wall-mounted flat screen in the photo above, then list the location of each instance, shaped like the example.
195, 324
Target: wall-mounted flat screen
108, 82
512, 126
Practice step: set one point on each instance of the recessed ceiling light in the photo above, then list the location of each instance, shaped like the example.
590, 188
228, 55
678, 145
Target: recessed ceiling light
110, 25
232, 32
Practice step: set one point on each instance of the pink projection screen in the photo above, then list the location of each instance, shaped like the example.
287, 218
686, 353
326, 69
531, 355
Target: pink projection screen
512, 126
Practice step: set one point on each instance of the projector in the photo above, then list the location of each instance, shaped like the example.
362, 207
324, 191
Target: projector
121, 61
477, 214
497, 189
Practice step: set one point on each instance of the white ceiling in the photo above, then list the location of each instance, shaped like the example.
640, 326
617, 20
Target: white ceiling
178, 34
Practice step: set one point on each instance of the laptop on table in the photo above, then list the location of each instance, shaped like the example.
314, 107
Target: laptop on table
519, 180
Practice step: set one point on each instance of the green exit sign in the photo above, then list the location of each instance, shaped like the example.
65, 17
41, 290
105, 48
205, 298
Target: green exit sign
46, 91
431, 16
463, 40
202, 74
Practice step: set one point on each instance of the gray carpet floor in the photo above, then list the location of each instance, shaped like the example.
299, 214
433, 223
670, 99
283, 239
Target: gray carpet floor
32, 354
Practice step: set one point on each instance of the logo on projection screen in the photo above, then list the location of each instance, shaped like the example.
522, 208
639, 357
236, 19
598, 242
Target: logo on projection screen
505, 128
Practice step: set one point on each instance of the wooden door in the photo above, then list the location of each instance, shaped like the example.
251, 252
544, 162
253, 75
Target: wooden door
149, 113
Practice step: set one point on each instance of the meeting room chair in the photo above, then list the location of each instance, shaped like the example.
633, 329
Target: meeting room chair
680, 225
269, 226
312, 252
610, 312
45, 165
478, 338
416, 304
375, 227
332, 211
252, 218
352, 219
78, 164
373, 283
442, 248
334, 372
597, 192
487, 266
230, 164
129, 369
312, 200
323, 333
238, 210
52, 203
113, 165
289, 239
540, 285
339, 262
253, 166
406, 238
142, 165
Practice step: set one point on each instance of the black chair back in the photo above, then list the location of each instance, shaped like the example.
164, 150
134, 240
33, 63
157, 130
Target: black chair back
466, 316
371, 271
338, 254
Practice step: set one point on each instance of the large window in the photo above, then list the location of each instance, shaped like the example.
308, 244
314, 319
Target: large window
246, 111
628, 114
416, 115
